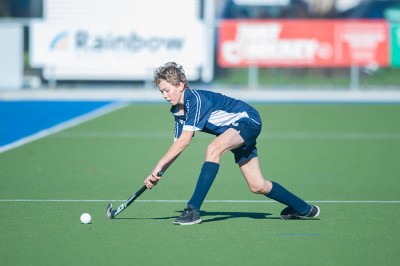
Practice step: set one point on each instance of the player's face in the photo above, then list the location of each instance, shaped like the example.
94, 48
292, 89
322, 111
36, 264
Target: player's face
173, 94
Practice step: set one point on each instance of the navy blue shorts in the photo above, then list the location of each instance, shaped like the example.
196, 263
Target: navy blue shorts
249, 131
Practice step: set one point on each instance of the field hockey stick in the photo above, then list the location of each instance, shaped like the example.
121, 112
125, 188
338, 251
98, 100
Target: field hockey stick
112, 213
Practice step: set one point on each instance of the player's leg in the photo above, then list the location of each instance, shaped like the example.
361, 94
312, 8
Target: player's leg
229, 140
297, 207
254, 178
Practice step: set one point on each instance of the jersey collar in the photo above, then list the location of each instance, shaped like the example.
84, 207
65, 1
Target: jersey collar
174, 109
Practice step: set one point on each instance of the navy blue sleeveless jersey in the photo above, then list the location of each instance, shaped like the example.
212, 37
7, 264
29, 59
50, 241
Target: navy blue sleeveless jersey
211, 112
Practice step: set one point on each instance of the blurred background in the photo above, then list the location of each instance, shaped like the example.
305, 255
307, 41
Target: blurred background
239, 44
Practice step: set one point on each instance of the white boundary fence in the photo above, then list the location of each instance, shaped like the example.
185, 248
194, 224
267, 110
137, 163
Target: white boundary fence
258, 96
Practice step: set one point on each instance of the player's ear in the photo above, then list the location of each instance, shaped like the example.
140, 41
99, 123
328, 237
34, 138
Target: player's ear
181, 86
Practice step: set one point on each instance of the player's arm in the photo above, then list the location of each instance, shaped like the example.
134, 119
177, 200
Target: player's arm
173, 152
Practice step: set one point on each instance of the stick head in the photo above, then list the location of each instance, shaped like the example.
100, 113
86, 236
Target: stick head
109, 213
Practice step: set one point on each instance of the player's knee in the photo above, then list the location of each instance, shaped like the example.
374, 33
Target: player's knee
258, 188
213, 153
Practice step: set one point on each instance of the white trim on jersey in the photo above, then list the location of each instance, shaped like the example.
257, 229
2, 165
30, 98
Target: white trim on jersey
198, 100
190, 128
222, 118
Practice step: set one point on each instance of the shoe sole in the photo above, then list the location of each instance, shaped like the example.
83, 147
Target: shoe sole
189, 223
290, 217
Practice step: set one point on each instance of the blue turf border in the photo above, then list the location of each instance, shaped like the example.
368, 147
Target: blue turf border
19, 119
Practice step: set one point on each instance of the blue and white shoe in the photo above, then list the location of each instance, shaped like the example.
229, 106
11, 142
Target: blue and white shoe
290, 214
189, 216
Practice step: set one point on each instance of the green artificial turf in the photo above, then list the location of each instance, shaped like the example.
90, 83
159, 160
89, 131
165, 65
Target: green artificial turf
344, 158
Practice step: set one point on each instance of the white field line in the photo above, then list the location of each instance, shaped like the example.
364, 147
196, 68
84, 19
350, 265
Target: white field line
209, 201
273, 135
64, 125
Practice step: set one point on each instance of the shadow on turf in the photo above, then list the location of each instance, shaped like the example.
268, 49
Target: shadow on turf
230, 215
253, 215
220, 216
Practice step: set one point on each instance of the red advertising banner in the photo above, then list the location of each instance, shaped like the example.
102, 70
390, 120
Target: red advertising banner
288, 43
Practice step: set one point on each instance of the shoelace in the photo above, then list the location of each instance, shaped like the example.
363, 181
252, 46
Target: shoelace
186, 211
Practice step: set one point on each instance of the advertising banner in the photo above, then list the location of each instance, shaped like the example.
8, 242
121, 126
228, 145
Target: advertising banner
288, 43
395, 45
119, 52
362, 43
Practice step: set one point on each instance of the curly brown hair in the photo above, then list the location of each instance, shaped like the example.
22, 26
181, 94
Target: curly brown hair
172, 73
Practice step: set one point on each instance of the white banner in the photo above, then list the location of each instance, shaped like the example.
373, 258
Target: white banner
115, 52
11, 56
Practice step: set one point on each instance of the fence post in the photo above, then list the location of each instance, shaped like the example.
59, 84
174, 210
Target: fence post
253, 77
355, 78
